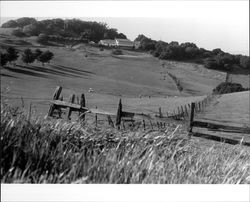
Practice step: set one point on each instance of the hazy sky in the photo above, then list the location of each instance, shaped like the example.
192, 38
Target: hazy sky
209, 24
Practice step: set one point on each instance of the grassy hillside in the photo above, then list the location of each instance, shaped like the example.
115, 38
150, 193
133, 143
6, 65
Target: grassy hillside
232, 108
42, 151
38, 150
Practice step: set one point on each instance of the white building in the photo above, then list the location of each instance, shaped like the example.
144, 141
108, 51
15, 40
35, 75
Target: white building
107, 42
126, 43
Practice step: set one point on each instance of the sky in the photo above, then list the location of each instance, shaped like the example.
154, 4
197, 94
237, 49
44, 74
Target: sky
209, 24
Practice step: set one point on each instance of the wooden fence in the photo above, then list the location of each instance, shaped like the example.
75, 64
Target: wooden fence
214, 128
183, 112
186, 112
77, 105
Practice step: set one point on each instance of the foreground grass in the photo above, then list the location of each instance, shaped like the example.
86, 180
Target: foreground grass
52, 151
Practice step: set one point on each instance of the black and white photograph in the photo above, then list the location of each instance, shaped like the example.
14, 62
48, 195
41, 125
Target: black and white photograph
125, 92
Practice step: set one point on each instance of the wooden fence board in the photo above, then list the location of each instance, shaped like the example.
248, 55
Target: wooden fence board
224, 128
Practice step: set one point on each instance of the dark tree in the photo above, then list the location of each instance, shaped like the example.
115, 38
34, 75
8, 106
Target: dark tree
217, 51
10, 24
28, 56
37, 53
210, 63
121, 36
25, 21
18, 33
45, 57
245, 62
12, 54
4, 59
42, 38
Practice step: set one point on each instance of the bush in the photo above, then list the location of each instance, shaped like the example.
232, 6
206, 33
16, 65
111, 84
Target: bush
43, 38
12, 54
226, 87
28, 56
4, 59
18, 33
37, 53
45, 57
117, 52
10, 24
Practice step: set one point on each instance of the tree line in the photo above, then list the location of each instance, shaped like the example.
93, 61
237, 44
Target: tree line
74, 28
28, 56
215, 59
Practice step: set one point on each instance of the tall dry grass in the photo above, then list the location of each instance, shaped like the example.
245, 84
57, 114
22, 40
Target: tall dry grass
56, 151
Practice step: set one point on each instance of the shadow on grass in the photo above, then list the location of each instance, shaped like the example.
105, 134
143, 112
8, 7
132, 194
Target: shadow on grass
52, 71
25, 71
6, 75
72, 70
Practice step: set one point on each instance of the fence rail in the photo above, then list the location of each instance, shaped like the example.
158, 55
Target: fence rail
212, 127
186, 112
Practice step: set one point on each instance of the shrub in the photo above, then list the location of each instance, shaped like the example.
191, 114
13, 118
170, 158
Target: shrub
43, 38
245, 62
117, 52
226, 87
12, 54
37, 53
45, 57
4, 59
28, 56
10, 24
210, 63
18, 33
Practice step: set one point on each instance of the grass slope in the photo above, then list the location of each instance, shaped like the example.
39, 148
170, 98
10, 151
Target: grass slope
41, 151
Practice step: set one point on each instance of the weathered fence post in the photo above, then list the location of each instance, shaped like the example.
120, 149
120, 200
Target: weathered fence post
158, 125
22, 102
69, 110
161, 125
195, 106
191, 117
96, 118
83, 104
29, 115
110, 121
55, 97
186, 110
160, 113
119, 114
151, 125
182, 112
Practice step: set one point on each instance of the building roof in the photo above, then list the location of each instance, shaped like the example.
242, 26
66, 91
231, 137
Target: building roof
124, 42
108, 42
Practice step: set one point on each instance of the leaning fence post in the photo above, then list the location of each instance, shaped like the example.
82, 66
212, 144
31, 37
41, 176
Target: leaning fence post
110, 121
160, 113
182, 112
186, 110
119, 114
83, 104
55, 97
96, 118
144, 125
191, 117
69, 110
151, 125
